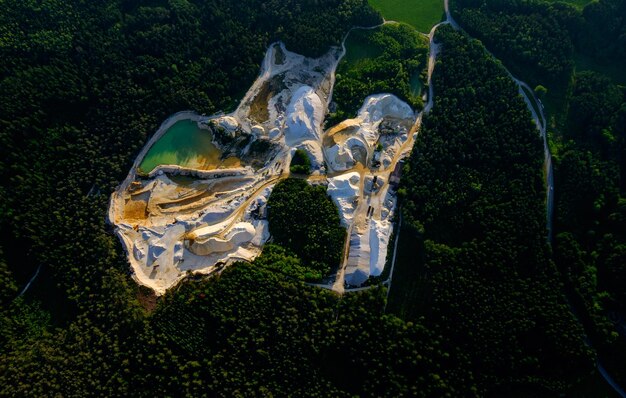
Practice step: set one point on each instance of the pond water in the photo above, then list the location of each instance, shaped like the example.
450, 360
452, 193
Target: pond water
187, 145
416, 84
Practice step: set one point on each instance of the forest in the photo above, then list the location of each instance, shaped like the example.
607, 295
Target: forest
586, 110
479, 304
304, 220
82, 84
382, 60
538, 38
590, 214
300, 163
473, 203
531, 37
544, 42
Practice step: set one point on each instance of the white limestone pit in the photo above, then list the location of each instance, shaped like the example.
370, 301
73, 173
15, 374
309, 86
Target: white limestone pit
175, 221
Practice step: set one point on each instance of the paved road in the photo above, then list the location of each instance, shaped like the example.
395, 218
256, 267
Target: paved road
541, 126
611, 382
30, 281
540, 121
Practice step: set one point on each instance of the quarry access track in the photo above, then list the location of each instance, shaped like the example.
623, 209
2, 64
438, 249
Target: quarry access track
338, 285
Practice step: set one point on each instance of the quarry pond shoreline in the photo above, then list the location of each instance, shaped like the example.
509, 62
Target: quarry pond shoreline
177, 219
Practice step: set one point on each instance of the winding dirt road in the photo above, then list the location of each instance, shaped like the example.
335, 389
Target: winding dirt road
360, 213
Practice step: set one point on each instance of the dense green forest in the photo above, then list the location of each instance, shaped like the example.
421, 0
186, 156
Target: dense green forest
383, 60
300, 163
531, 37
304, 220
251, 332
543, 42
81, 86
537, 38
473, 202
587, 125
477, 306
590, 213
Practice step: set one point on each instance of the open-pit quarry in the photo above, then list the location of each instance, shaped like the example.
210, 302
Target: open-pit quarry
200, 212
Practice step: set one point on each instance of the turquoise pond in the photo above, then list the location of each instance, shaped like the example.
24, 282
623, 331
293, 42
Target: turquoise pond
187, 145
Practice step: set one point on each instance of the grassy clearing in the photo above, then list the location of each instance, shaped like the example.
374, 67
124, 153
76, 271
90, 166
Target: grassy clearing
408, 285
360, 47
614, 71
416, 84
389, 59
421, 14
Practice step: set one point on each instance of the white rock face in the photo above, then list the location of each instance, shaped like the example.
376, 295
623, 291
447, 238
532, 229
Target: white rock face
138, 252
340, 158
228, 123
344, 191
356, 277
379, 239
274, 133
214, 245
178, 251
156, 250
304, 116
241, 233
380, 105
375, 108
258, 130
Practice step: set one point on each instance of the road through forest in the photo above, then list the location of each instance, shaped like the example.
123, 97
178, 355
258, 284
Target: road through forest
541, 126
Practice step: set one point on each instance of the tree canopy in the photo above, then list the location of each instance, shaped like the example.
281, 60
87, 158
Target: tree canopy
303, 219
388, 59
474, 261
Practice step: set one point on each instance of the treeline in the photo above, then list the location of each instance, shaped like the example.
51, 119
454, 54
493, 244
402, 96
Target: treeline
388, 59
304, 220
604, 33
246, 332
590, 213
537, 39
473, 206
252, 332
300, 163
587, 119
532, 38
82, 85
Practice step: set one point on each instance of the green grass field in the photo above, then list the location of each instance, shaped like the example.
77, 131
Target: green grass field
416, 84
614, 71
421, 14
